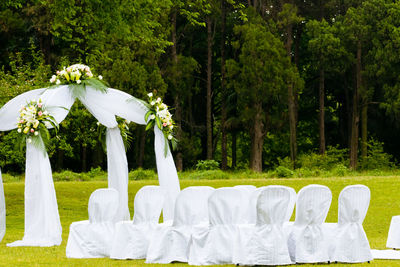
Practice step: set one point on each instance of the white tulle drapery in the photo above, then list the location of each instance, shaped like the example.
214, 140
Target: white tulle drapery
2, 210
118, 170
104, 107
42, 221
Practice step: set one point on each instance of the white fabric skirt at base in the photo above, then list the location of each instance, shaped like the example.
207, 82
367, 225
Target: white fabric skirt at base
261, 245
131, 241
393, 240
172, 243
90, 240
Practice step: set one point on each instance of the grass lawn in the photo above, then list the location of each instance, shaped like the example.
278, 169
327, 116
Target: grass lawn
73, 197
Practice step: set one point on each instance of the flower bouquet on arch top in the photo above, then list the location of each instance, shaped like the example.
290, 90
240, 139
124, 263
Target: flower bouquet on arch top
159, 115
78, 77
33, 123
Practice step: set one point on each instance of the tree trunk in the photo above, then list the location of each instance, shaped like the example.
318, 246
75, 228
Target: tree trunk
224, 152
364, 129
60, 160
209, 91
291, 102
322, 111
234, 145
257, 140
84, 158
355, 118
178, 107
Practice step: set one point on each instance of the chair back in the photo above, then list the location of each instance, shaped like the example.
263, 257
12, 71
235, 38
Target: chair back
272, 205
353, 204
191, 206
148, 204
227, 205
103, 205
313, 204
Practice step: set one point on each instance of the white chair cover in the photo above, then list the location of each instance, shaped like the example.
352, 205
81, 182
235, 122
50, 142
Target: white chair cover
393, 240
2, 210
92, 238
266, 243
191, 214
216, 244
350, 241
131, 239
250, 212
307, 242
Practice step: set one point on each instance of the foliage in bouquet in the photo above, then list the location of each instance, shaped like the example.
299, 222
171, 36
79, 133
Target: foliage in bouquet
33, 123
77, 77
159, 115
123, 126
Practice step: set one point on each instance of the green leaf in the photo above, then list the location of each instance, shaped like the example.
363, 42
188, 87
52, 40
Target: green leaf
150, 125
159, 124
146, 117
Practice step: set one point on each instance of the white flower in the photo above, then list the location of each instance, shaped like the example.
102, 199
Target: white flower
19, 130
45, 112
152, 117
150, 94
36, 133
58, 81
169, 137
152, 103
47, 124
100, 77
78, 81
29, 140
171, 127
53, 78
158, 100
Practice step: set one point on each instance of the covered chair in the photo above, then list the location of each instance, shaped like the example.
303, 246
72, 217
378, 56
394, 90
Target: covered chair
307, 241
350, 241
191, 214
266, 243
248, 191
131, 239
215, 245
92, 238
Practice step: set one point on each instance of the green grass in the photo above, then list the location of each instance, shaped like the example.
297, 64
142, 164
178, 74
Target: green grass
73, 197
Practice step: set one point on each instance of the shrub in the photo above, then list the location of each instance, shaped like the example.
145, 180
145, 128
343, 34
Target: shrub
340, 170
140, 174
203, 165
376, 158
283, 172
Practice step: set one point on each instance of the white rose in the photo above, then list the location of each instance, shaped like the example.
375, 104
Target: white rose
150, 94
19, 130
152, 117
152, 103
58, 81
36, 133
53, 78
100, 77
171, 127
169, 137
158, 100
78, 81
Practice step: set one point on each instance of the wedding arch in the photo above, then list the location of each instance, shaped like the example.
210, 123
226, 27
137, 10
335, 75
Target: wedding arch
42, 221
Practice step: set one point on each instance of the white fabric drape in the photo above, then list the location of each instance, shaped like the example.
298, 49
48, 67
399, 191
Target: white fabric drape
118, 171
42, 221
92, 238
2, 210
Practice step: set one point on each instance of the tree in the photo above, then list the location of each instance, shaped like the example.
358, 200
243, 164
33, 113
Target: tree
259, 78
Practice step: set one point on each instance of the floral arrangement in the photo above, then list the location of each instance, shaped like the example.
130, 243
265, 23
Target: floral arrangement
159, 114
78, 76
33, 122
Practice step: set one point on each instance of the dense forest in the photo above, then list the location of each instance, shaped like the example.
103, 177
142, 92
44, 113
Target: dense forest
252, 84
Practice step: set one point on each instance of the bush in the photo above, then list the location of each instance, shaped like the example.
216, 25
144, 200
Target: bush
327, 162
340, 170
203, 165
140, 174
376, 159
70, 176
283, 172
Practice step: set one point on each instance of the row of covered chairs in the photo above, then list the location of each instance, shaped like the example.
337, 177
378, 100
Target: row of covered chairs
241, 225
